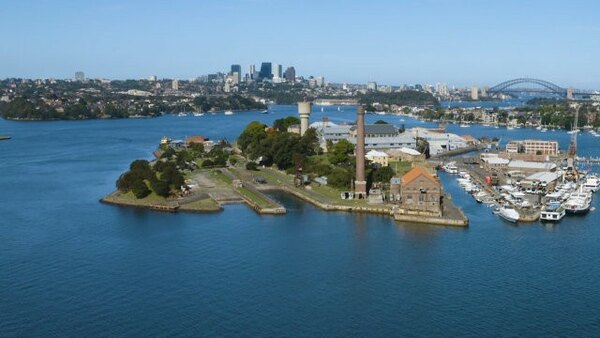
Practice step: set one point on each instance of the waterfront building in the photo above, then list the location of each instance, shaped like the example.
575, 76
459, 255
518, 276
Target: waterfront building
533, 147
531, 167
439, 141
290, 75
372, 85
421, 192
378, 157
266, 71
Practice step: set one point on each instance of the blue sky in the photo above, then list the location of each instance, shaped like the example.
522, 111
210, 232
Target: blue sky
459, 42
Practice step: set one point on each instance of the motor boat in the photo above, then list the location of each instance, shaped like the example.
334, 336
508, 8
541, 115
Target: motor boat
592, 183
229, 112
509, 214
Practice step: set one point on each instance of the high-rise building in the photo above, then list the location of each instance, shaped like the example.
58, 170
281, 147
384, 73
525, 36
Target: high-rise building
236, 69
152, 78
277, 71
290, 74
320, 81
175, 84
474, 93
251, 72
79, 76
372, 86
265, 71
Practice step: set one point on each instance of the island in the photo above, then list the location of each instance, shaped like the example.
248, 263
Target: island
202, 175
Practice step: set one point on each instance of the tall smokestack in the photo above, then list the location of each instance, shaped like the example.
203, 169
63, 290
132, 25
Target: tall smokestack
360, 185
304, 109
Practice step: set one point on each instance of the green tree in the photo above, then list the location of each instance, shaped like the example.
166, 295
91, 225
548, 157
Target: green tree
341, 152
282, 124
140, 189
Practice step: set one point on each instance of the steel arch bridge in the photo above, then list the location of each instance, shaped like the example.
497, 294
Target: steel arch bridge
540, 86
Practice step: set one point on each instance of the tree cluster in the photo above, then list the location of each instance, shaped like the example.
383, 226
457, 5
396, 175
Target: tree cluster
276, 146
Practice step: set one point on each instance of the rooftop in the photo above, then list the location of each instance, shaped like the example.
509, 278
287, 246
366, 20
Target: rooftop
417, 172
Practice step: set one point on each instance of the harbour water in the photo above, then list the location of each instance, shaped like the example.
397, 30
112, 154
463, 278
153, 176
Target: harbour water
70, 266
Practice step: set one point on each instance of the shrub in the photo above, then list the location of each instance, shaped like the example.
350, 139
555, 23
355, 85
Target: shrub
251, 166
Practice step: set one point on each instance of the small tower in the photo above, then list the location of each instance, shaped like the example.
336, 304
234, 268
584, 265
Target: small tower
304, 109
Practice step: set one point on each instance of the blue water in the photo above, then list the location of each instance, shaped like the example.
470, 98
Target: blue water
70, 266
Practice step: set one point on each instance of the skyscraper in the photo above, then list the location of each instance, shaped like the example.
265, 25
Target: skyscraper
265, 71
372, 86
236, 69
79, 76
474, 93
175, 84
290, 74
277, 71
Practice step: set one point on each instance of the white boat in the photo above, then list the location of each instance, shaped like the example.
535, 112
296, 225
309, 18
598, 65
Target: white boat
229, 112
321, 109
451, 168
510, 128
464, 125
591, 183
543, 130
401, 120
553, 213
198, 114
578, 202
508, 213
577, 206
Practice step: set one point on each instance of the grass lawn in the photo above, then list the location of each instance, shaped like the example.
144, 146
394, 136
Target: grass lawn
220, 177
129, 198
401, 167
263, 203
207, 204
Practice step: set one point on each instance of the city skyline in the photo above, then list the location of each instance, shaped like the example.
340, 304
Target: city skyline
453, 42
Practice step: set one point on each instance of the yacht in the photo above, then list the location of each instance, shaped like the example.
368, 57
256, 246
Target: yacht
266, 111
198, 114
508, 213
578, 202
451, 168
591, 183
552, 213
182, 114
229, 112
464, 125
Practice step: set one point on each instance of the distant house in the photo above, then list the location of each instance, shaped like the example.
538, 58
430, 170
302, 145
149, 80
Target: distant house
195, 139
378, 157
405, 154
421, 192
